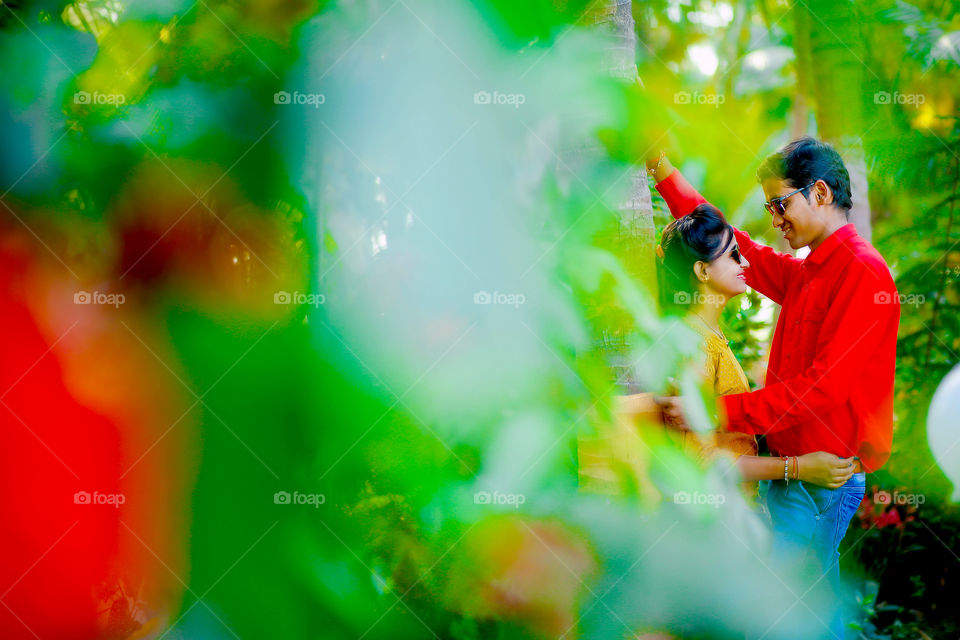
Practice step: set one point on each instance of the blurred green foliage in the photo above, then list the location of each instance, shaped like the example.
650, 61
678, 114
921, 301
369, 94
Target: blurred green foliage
724, 83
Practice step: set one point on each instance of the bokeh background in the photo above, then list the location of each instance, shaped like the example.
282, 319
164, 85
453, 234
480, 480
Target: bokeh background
314, 313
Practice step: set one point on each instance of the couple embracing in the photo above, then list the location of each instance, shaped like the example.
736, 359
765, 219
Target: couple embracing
826, 408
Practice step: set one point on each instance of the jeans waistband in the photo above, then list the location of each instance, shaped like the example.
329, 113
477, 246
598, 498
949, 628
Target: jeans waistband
856, 480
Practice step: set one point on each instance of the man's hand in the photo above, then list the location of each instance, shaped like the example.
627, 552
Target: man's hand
658, 165
673, 413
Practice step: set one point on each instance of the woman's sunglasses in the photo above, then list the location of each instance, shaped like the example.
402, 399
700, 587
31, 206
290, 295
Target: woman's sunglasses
776, 206
734, 253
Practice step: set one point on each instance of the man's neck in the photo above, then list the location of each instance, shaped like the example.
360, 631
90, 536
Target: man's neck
832, 228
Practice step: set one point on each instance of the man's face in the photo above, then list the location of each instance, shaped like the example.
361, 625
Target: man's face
800, 223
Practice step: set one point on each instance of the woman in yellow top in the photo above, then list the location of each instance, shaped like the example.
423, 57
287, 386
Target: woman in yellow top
700, 269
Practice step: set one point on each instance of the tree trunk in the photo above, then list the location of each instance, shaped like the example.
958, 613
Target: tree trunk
636, 210
835, 57
613, 460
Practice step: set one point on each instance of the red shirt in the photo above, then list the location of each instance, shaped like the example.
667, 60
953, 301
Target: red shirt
829, 384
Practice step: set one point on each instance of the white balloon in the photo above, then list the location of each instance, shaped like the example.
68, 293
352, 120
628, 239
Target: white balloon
943, 428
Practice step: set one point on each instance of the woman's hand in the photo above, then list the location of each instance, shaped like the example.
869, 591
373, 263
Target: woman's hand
825, 469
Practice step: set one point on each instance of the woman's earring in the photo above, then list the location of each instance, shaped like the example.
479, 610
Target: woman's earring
701, 272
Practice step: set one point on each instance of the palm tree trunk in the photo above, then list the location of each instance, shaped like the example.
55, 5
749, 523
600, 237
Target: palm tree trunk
832, 31
613, 460
636, 211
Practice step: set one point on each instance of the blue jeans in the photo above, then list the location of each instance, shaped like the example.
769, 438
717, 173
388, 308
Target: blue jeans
808, 523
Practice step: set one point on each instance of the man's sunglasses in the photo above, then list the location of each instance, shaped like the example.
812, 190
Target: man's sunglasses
776, 206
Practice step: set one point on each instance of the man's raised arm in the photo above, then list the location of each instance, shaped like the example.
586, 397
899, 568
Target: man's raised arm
770, 271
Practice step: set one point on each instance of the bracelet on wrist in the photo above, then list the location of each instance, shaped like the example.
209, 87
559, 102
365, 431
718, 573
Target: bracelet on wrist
653, 172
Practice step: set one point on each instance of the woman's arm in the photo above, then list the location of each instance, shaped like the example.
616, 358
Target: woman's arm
638, 406
754, 468
820, 468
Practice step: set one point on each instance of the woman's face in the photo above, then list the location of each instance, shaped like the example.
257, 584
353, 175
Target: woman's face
725, 275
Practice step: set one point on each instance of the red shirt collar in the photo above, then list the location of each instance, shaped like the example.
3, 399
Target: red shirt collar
841, 236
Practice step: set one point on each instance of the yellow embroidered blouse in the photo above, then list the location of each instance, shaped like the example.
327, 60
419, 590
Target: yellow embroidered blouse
724, 372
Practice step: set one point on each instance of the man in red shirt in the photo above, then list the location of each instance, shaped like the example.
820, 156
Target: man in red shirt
829, 383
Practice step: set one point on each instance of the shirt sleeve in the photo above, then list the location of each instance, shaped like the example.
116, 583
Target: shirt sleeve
854, 324
770, 271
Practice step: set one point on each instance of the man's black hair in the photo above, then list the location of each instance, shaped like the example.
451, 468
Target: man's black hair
807, 160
